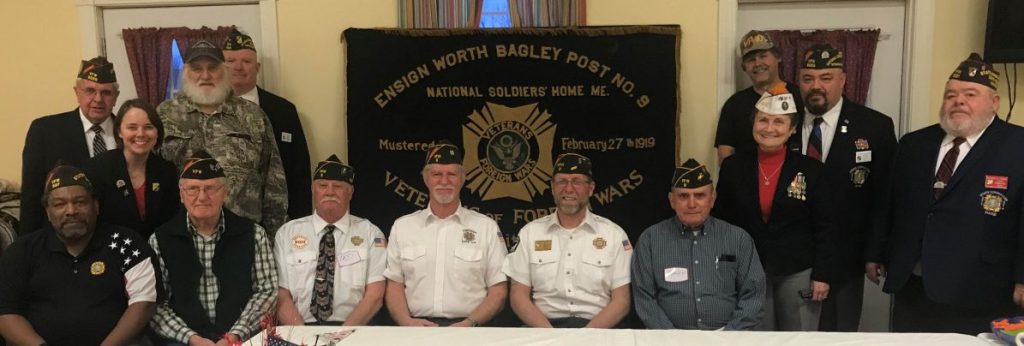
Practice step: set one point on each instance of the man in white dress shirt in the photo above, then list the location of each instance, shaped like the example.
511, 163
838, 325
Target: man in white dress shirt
571, 268
331, 263
444, 262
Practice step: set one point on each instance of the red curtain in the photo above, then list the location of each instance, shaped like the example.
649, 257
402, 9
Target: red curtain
149, 55
186, 37
858, 48
547, 13
439, 14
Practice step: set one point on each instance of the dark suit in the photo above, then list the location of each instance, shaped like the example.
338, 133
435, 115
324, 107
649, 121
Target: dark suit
857, 189
53, 138
970, 257
799, 234
117, 200
291, 142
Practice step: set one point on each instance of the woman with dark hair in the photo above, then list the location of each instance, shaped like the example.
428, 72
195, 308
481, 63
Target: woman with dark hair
781, 198
137, 189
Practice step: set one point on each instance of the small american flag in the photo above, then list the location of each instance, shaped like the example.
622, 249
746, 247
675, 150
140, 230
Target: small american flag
276, 341
626, 245
380, 242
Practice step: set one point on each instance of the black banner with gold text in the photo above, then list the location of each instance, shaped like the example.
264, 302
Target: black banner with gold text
514, 99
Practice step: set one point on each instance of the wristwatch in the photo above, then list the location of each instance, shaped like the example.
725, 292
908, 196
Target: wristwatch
472, 322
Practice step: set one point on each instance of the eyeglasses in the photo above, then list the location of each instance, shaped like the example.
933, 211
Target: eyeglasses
574, 182
193, 191
92, 91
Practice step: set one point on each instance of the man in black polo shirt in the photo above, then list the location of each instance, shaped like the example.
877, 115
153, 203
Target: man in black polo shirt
75, 282
218, 269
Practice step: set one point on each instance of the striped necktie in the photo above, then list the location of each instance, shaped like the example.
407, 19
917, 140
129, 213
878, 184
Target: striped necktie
99, 145
946, 167
814, 142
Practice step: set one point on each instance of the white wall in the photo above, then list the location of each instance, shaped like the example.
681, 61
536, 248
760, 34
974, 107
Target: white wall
884, 93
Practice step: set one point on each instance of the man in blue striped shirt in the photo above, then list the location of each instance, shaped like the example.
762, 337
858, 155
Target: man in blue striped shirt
693, 271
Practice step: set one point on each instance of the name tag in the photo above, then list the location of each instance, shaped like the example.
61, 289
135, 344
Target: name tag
286, 137
863, 156
676, 275
348, 257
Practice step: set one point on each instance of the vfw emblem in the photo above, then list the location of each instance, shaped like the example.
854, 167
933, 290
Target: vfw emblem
508, 151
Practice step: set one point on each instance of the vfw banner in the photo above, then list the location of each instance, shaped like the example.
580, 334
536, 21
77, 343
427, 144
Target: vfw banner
514, 100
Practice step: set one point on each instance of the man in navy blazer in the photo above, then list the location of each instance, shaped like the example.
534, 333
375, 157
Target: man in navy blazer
240, 55
69, 138
856, 144
954, 258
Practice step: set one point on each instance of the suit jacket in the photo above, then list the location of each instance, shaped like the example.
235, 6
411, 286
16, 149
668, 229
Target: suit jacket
291, 142
969, 241
858, 188
799, 233
53, 138
109, 175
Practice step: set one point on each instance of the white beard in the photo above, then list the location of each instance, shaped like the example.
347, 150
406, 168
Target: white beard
213, 97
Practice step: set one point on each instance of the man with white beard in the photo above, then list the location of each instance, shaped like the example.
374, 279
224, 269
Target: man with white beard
444, 262
954, 251
206, 115
572, 268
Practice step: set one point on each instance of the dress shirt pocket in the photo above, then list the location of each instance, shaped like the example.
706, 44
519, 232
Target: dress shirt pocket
727, 272
468, 261
544, 271
413, 262
595, 271
300, 267
354, 272
174, 146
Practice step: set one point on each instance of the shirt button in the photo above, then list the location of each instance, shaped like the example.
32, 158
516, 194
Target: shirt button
698, 299
696, 262
700, 320
570, 254
570, 290
698, 282
76, 271
568, 272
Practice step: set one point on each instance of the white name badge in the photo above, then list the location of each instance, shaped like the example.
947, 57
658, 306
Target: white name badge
676, 275
286, 137
863, 156
348, 257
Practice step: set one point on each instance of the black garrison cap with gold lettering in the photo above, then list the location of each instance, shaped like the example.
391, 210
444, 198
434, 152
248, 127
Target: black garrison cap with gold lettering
333, 169
573, 163
444, 152
976, 70
64, 176
822, 56
238, 41
691, 175
201, 166
98, 70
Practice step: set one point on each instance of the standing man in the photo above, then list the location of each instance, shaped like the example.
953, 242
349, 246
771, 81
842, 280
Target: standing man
954, 259
856, 145
68, 138
314, 290
217, 267
694, 271
572, 270
240, 56
76, 282
760, 60
206, 115
444, 262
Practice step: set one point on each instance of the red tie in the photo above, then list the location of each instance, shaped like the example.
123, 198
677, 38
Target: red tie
946, 168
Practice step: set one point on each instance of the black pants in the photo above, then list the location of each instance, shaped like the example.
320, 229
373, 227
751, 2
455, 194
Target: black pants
441, 321
914, 312
569, 322
841, 310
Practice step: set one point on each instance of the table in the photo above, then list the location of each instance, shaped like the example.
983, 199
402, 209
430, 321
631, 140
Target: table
421, 336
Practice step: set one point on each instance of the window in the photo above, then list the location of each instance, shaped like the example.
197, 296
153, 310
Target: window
495, 14
174, 81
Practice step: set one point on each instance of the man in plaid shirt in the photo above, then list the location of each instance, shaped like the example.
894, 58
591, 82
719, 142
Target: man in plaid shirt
218, 268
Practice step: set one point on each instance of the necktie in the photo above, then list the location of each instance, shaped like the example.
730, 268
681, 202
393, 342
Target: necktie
946, 167
99, 146
323, 284
814, 141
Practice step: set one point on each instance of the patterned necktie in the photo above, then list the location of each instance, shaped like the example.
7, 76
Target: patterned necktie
946, 167
323, 284
814, 142
99, 146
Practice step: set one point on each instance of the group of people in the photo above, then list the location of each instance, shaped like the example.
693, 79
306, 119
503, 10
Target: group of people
813, 194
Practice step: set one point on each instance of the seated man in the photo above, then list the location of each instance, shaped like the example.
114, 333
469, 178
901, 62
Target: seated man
693, 271
310, 291
572, 269
76, 282
217, 266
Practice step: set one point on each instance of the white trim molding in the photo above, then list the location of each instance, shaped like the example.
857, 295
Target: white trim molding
90, 15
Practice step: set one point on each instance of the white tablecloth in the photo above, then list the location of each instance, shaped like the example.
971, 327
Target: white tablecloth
421, 336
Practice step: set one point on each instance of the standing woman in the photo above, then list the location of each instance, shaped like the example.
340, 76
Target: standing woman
137, 188
780, 197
